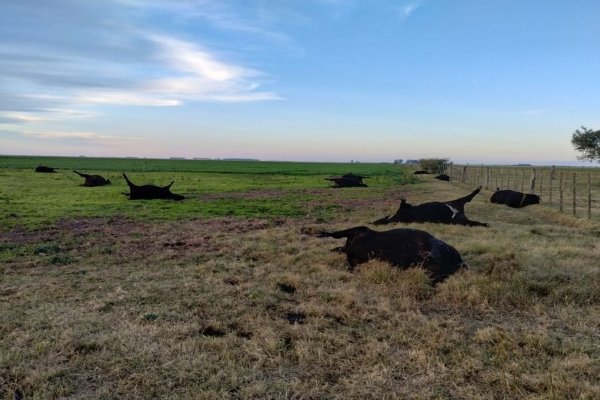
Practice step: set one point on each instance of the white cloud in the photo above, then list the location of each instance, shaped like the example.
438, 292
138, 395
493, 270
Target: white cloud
124, 98
106, 55
409, 9
91, 137
187, 57
10, 117
201, 76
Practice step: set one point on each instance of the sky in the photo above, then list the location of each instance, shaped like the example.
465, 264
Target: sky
498, 81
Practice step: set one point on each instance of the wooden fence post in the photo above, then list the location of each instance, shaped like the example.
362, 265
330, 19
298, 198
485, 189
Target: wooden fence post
501, 179
541, 183
487, 178
589, 196
515, 179
550, 184
463, 175
560, 190
574, 195
523, 180
496, 178
532, 181
553, 172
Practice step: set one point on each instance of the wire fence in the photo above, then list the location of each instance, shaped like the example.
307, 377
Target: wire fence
572, 190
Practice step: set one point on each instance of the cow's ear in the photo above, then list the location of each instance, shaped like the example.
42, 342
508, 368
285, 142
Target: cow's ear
404, 204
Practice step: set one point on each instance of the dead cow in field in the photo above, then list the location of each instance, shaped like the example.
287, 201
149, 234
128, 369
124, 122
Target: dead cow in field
402, 248
348, 180
43, 168
514, 199
150, 192
93, 180
442, 177
449, 212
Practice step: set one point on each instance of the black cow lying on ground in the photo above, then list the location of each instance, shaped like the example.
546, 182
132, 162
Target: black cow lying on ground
149, 192
348, 180
514, 199
402, 248
93, 180
442, 177
43, 168
420, 172
449, 212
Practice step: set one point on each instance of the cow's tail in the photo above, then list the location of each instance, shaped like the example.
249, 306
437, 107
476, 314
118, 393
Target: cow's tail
468, 198
347, 233
80, 174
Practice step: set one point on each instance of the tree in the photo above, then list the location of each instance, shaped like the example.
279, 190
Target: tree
587, 142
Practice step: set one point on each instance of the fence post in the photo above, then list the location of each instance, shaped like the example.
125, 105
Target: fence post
501, 179
574, 195
589, 196
515, 178
541, 183
532, 181
553, 172
523, 180
560, 190
550, 194
496, 178
463, 175
487, 178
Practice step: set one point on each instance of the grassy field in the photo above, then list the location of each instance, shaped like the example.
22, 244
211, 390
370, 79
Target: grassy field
211, 188
229, 294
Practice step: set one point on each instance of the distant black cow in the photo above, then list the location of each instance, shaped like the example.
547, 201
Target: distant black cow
348, 180
514, 199
402, 248
449, 212
149, 192
442, 177
93, 180
43, 168
420, 172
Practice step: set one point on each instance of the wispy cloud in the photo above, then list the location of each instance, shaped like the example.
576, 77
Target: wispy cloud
103, 55
202, 75
408, 9
11, 118
89, 137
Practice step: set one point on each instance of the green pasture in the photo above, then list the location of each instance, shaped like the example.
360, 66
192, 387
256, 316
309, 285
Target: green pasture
211, 188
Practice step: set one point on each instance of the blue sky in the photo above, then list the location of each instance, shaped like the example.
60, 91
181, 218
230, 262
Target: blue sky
317, 80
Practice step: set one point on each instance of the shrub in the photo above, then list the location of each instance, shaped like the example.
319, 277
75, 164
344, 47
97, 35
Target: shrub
433, 165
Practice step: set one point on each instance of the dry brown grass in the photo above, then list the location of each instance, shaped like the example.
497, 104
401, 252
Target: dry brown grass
238, 309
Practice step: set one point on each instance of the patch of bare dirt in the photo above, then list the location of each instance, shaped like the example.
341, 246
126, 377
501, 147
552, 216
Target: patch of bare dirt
126, 238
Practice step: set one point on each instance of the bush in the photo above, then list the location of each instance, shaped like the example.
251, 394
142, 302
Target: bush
434, 165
